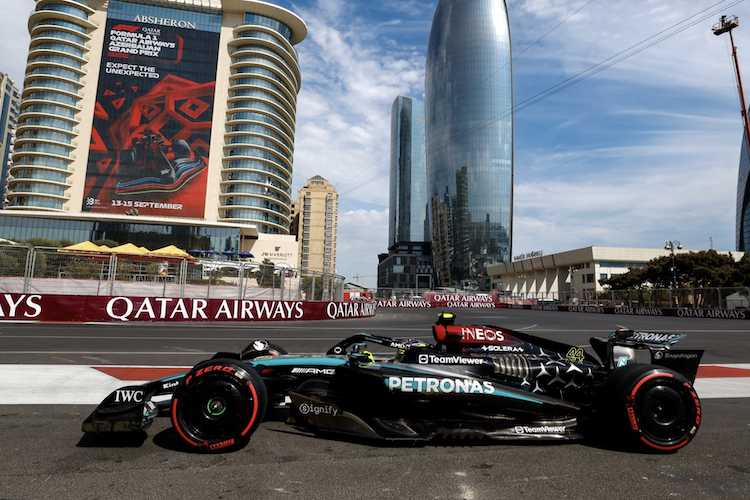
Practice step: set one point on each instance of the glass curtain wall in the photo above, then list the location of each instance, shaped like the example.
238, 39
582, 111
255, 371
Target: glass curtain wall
743, 199
408, 190
469, 140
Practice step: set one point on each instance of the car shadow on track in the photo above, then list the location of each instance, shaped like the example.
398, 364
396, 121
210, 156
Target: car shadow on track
119, 440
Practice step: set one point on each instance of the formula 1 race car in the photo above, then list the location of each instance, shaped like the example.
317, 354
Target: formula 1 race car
473, 382
150, 166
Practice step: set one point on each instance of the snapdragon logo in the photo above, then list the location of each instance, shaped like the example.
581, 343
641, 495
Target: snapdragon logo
439, 385
671, 355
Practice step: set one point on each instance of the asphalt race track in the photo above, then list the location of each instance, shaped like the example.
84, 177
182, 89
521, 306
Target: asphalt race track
43, 453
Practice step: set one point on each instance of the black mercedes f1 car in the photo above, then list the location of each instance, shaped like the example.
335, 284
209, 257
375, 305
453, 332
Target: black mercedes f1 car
482, 382
152, 166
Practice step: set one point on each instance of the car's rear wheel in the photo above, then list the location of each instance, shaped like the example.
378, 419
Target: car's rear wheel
652, 407
218, 405
127, 168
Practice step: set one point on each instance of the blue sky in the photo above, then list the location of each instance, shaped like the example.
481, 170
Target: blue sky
640, 152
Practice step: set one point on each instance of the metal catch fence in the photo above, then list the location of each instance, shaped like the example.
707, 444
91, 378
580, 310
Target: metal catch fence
665, 298
42, 270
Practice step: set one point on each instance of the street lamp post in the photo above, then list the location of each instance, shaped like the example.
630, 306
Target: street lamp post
671, 246
572, 270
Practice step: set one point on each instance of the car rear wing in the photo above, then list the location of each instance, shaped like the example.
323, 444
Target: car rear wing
625, 347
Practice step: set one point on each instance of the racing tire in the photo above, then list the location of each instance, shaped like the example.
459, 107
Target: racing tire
128, 156
127, 170
218, 405
652, 408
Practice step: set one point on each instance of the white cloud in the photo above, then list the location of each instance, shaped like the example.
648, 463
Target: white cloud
360, 242
644, 151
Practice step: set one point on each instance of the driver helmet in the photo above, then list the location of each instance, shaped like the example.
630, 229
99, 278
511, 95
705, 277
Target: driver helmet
408, 344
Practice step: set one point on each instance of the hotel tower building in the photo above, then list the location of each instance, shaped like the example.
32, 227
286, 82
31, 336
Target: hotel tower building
158, 119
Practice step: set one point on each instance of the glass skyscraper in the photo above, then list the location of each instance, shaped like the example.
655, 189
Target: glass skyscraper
743, 199
469, 139
408, 190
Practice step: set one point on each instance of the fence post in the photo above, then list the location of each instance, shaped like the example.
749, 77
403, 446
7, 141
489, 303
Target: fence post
112, 273
240, 279
312, 291
183, 276
29, 270
718, 290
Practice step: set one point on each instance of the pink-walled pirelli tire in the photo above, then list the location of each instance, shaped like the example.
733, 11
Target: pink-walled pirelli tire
652, 407
218, 405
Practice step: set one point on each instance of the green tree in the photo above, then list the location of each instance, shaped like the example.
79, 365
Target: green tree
45, 242
703, 269
307, 286
741, 274
266, 277
109, 243
706, 269
124, 270
83, 269
13, 261
635, 278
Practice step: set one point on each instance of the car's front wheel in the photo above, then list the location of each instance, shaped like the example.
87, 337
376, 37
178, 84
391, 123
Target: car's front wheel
218, 405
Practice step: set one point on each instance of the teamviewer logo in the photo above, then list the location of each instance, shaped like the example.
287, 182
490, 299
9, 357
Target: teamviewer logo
423, 359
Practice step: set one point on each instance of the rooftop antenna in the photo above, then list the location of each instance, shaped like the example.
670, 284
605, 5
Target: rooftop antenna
725, 25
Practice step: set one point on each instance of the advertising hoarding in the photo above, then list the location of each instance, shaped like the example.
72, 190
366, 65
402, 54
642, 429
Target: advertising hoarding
150, 137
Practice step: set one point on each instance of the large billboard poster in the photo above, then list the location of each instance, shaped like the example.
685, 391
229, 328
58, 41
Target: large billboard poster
150, 138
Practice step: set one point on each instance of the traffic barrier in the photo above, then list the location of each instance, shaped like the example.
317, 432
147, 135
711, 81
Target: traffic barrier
98, 309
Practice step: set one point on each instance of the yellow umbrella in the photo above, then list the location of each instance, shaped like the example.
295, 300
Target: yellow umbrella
171, 251
128, 248
84, 246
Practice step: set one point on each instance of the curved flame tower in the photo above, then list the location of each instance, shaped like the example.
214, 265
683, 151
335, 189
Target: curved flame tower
469, 139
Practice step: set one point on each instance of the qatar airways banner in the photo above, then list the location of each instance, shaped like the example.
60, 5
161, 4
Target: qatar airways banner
151, 130
451, 301
444, 300
77, 308
642, 311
